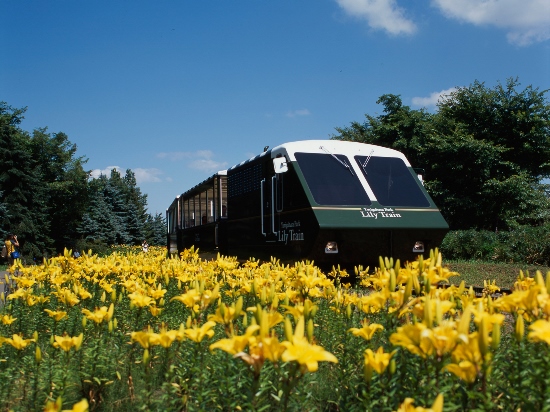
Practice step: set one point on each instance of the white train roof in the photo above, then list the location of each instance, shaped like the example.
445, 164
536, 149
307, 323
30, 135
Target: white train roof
327, 146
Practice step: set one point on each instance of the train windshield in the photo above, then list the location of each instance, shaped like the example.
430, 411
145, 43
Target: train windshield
331, 179
392, 182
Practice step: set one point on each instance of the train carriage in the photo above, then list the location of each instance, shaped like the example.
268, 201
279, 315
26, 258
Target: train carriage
332, 201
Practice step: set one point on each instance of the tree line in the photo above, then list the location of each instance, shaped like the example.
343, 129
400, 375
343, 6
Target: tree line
49, 200
485, 152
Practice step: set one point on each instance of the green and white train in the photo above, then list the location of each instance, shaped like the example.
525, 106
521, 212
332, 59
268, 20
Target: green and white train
330, 201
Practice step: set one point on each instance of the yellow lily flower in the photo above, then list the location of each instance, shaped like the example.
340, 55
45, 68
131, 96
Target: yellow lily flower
98, 315
407, 406
56, 314
66, 342
139, 300
142, 338
235, 344
306, 354
378, 360
81, 406
18, 342
367, 331
8, 319
540, 331
164, 338
464, 370
414, 339
197, 334
157, 293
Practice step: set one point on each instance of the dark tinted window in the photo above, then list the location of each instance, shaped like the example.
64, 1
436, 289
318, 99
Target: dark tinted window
329, 181
392, 182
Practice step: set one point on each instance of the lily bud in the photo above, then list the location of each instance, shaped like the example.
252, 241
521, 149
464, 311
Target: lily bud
289, 333
495, 336
110, 312
483, 336
393, 366
381, 263
103, 297
539, 279
309, 330
367, 372
263, 296
113, 295
408, 290
272, 294
146, 357
35, 336
245, 320
38, 354
520, 328
428, 316
392, 280
307, 306
464, 323
222, 310
110, 326
348, 311
239, 306
84, 321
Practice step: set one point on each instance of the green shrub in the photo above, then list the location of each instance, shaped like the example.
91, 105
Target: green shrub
524, 244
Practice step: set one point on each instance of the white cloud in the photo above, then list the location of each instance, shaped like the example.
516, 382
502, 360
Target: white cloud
300, 112
105, 172
380, 15
432, 99
201, 160
142, 175
147, 175
527, 21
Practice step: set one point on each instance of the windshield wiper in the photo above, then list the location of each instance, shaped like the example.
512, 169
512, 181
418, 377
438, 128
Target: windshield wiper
364, 165
341, 162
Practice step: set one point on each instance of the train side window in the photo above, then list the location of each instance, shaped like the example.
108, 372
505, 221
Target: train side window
392, 182
331, 180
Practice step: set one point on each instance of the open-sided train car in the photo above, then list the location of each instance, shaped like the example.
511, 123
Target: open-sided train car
330, 201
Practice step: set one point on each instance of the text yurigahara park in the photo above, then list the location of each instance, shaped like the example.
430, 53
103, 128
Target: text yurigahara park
376, 213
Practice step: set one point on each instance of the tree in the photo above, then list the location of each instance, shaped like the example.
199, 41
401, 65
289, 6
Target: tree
65, 182
21, 184
485, 152
155, 230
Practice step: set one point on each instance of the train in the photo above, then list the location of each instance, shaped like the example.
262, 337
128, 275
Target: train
328, 201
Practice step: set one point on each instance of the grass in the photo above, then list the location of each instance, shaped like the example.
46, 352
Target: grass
473, 273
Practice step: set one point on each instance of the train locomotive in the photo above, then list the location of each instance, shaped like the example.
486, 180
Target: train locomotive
328, 201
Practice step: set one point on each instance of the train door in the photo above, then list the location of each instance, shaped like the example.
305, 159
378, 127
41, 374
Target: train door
272, 200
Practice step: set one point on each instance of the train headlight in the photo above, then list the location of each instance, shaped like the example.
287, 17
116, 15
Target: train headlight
418, 247
331, 247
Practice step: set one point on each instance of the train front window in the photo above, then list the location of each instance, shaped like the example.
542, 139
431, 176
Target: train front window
331, 179
392, 182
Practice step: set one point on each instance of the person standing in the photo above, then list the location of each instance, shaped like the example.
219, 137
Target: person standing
12, 244
145, 246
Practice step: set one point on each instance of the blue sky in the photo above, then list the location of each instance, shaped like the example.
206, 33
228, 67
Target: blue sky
176, 90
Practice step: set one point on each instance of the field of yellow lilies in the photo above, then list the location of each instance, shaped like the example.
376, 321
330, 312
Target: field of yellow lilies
142, 331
